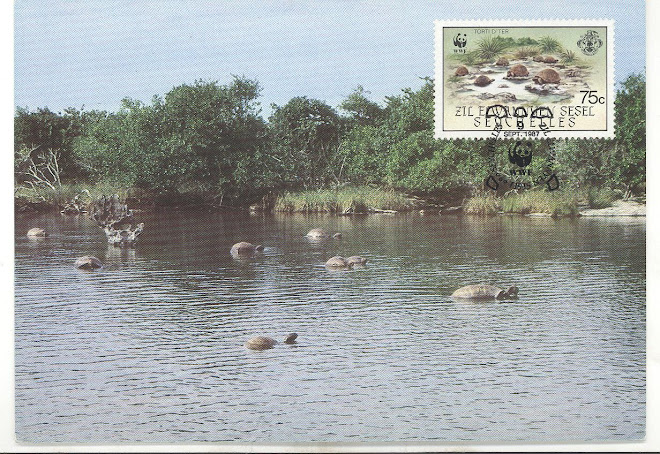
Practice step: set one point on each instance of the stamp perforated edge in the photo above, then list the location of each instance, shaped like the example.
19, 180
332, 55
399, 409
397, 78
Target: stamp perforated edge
438, 100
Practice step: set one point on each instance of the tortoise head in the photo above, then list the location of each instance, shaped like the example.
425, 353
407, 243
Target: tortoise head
259, 248
291, 338
512, 291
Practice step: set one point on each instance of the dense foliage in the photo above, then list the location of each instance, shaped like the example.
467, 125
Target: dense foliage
211, 140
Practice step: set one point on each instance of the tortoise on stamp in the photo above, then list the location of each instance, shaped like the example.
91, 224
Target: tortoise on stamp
534, 79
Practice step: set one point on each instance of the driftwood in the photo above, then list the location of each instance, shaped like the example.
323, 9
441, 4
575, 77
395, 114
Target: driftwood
116, 220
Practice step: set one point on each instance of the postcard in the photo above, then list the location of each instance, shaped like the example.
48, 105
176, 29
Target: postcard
333, 225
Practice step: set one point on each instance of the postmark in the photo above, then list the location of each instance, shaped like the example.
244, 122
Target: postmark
533, 79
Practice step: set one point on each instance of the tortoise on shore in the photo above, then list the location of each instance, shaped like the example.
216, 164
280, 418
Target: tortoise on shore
264, 343
461, 71
485, 292
36, 232
547, 76
538, 58
482, 81
320, 233
550, 59
338, 262
517, 71
502, 62
88, 262
356, 260
245, 248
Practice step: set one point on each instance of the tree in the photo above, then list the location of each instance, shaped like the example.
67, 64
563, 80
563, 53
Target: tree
630, 116
362, 111
307, 132
42, 130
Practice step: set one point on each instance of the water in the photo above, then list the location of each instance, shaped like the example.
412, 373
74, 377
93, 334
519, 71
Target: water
150, 348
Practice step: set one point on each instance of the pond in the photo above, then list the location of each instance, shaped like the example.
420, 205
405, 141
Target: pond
150, 348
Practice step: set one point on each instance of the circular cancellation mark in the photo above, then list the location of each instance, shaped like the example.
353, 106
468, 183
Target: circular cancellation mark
520, 155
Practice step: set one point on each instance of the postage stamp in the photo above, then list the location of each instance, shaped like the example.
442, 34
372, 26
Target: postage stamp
534, 79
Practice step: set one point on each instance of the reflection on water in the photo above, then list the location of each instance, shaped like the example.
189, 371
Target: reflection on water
151, 347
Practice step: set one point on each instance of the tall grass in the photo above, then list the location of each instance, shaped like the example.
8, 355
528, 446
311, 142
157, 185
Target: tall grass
556, 203
549, 44
567, 56
344, 200
485, 203
488, 47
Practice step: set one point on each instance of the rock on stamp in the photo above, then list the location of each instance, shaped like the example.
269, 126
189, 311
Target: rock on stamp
531, 79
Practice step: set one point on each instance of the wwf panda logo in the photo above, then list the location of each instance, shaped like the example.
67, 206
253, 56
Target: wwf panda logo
521, 154
460, 40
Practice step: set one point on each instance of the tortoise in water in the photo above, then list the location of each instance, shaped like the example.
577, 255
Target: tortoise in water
482, 81
517, 71
547, 76
320, 233
485, 292
36, 232
502, 62
264, 343
88, 262
338, 262
461, 71
356, 260
245, 248
550, 59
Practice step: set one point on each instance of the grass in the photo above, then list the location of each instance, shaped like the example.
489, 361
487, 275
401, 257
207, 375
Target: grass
526, 52
488, 48
567, 56
555, 203
483, 204
344, 200
549, 44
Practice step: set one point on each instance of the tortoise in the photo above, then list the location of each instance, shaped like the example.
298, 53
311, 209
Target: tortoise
539, 58
320, 233
461, 71
338, 262
482, 81
547, 76
356, 260
550, 59
485, 292
36, 232
517, 71
88, 262
502, 62
245, 248
264, 343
